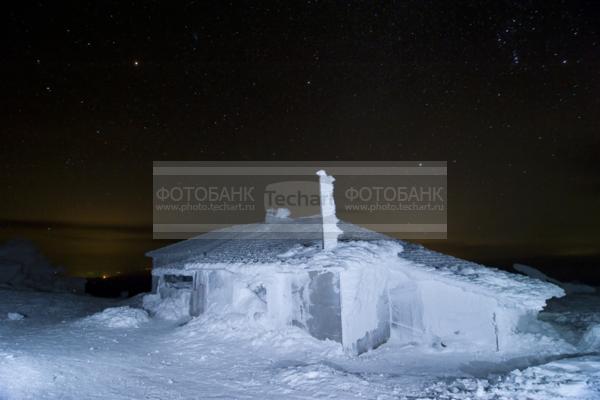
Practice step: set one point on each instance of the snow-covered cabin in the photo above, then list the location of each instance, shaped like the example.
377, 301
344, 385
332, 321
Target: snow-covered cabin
360, 292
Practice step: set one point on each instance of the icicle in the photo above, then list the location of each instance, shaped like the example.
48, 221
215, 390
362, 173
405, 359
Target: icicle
330, 228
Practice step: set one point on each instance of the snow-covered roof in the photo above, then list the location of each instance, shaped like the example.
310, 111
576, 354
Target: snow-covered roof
258, 243
262, 244
505, 286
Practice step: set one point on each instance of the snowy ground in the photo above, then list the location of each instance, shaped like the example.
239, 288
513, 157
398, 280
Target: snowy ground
67, 348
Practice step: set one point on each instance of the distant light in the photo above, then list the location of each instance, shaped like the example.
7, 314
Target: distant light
105, 276
136, 63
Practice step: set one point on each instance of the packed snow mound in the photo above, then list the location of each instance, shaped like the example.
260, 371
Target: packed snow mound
117, 317
324, 378
22, 265
569, 287
256, 332
14, 316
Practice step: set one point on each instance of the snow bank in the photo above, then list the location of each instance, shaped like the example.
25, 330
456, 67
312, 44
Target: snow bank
117, 317
22, 265
231, 327
14, 316
325, 381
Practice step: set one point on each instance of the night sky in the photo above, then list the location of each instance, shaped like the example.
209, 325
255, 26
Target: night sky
506, 91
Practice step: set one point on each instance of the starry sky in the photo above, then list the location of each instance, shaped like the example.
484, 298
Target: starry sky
507, 92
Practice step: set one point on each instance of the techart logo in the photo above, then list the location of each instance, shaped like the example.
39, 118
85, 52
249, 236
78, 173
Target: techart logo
301, 198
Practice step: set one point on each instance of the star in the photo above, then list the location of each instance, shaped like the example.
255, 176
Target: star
136, 63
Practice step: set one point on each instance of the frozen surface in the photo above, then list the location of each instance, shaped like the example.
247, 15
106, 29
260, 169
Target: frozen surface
49, 356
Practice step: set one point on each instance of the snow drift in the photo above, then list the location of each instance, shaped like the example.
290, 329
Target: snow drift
117, 317
22, 265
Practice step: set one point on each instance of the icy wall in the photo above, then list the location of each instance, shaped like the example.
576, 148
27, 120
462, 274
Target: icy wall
359, 291
365, 307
